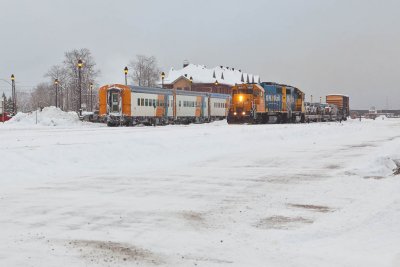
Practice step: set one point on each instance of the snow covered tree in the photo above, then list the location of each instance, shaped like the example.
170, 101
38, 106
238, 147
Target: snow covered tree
145, 70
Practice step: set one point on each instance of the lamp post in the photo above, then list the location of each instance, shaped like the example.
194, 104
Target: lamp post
216, 86
162, 79
14, 96
80, 65
91, 96
56, 85
191, 82
126, 75
3, 111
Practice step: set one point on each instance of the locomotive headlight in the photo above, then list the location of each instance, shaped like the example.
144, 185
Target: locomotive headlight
234, 113
243, 113
240, 98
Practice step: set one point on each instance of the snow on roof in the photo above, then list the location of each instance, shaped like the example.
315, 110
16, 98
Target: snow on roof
201, 74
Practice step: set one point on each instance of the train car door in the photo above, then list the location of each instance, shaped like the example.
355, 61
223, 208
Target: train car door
166, 104
114, 101
203, 106
209, 107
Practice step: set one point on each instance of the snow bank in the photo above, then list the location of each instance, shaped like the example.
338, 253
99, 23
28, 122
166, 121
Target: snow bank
49, 116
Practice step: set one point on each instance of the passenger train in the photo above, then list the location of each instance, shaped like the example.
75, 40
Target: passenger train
133, 105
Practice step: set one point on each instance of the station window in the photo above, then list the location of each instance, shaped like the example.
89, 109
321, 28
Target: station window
146, 102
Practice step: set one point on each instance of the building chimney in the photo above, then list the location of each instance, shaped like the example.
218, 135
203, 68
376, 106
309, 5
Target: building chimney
185, 63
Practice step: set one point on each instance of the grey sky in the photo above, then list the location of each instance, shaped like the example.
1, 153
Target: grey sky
320, 46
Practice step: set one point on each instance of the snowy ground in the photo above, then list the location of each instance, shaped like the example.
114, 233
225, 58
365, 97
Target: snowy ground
200, 195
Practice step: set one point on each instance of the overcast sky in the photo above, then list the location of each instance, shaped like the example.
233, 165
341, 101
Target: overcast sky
320, 46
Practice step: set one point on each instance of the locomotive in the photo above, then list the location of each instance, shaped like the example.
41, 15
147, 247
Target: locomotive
133, 105
266, 103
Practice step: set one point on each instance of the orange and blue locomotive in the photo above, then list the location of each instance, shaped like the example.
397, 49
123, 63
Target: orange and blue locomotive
266, 103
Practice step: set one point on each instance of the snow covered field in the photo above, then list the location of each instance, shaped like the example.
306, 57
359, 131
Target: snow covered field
200, 195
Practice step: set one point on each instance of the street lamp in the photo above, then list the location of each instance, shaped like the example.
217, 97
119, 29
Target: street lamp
191, 82
91, 96
126, 75
14, 95
162, 79
56, 85
216, 86
80, 65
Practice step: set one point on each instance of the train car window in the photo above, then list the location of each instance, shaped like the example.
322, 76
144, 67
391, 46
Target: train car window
179, 103
138, 101
142, 102
146, 102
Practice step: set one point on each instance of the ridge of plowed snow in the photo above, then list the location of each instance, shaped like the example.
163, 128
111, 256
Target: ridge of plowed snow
49, 116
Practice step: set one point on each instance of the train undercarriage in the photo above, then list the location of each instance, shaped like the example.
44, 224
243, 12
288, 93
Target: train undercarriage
118, 120
266, 118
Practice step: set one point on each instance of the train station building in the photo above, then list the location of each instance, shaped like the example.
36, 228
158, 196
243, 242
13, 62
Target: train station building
199, 78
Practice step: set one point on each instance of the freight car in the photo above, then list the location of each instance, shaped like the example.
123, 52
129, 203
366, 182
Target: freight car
321, 112
342, 102
133, 105
266, 103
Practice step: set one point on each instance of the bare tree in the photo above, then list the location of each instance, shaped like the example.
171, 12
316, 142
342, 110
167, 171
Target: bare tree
43, 95
24, 101
145, 70
67, 75
60, 73
89, 74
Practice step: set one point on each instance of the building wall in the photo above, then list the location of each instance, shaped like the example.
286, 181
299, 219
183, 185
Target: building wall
184, 84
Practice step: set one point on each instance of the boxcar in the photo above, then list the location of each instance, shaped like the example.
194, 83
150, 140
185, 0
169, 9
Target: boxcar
342, 102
